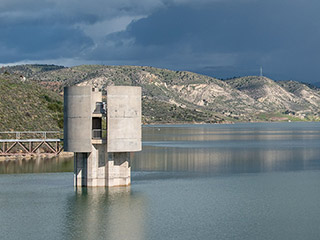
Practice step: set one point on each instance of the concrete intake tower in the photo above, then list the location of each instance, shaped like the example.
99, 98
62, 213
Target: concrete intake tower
102, 135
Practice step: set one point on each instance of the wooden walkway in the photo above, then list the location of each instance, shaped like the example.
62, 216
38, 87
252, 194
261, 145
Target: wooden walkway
31, 142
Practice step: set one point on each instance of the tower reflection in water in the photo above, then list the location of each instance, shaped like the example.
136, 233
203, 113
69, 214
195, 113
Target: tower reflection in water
102, 213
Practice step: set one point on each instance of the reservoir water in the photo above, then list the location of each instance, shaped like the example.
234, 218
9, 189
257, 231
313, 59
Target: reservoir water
240, 181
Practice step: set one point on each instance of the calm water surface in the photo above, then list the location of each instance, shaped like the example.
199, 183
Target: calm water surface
241, 181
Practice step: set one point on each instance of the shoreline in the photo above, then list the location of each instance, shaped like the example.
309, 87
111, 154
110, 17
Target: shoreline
223, 123
32, 156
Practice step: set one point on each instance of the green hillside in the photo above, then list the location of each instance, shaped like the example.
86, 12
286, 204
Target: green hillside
28, 106
31, 95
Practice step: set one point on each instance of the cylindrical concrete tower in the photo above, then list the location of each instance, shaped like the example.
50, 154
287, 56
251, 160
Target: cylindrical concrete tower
102, 159
77, 119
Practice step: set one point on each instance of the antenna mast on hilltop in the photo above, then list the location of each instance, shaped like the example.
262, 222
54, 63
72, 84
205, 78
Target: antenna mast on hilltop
261, 74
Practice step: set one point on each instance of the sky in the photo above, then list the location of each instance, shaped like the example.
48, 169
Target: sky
220, 38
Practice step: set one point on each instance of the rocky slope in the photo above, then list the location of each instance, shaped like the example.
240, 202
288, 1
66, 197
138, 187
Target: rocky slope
179, 96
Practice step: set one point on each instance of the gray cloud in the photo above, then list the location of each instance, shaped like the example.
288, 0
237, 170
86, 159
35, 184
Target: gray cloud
235, 37
48, 29
35, 40
217, 37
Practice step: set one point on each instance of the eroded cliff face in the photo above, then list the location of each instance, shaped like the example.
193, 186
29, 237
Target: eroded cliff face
180, 96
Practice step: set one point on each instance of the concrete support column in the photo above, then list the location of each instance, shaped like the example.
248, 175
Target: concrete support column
90, 168
98, 168
80, 169
119, 170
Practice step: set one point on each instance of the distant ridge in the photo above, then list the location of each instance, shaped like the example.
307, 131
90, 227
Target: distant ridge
181, 96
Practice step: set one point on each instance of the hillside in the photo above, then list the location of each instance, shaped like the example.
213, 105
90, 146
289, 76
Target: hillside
180, 96
28, 106
308, 93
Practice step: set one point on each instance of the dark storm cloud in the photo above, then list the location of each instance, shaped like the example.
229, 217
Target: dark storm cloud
282, 36
217, 37
58, 29
41, 41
